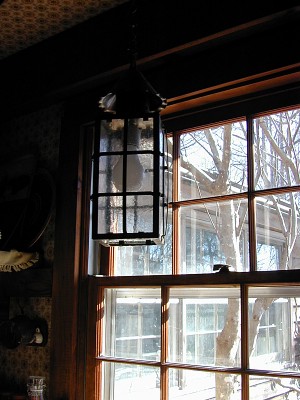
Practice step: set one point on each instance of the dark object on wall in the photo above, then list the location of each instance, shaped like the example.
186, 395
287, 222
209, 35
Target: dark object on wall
39, 207
30, 282
4, 308
21, 330
16, 177
26, 201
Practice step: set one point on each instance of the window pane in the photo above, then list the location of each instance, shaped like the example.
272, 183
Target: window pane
277, 150
277, 229
139, 214
213, 161
193, 385
130, 382
132, 321
214, 233
262, 387
105, 168
146, 260
274, 321
204, 326
169, 163
110, 216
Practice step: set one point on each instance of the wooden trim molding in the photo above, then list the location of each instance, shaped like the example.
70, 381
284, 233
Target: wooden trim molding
67, 363
260, 278
254, 84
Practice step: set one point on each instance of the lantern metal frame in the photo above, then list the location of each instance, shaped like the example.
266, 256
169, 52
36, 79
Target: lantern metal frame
133, 98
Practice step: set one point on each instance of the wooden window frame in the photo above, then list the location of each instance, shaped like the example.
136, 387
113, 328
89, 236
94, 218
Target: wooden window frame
97, 284
74, 292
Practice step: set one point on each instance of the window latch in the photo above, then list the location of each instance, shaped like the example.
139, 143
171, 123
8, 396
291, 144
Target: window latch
222, 268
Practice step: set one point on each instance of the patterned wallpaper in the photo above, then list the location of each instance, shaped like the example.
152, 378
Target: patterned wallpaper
16, 365
26, 22
40, 132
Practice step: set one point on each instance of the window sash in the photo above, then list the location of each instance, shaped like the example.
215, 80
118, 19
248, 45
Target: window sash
282, 283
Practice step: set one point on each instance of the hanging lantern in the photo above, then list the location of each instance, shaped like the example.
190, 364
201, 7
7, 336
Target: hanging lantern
129, 199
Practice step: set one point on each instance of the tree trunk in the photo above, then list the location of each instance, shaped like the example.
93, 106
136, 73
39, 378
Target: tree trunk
260, 306
228, 340
226, 348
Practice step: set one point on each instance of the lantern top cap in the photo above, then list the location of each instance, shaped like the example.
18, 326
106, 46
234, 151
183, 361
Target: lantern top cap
132, 95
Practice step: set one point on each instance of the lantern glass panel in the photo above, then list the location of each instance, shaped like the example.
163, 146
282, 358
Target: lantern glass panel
139, 173
111, 135
136, 136
147, 161
139, 214
129, 153
162, 166
110, 214
146, 133
105, 182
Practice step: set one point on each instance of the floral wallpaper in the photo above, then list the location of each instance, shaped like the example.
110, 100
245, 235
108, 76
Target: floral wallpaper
38, 132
